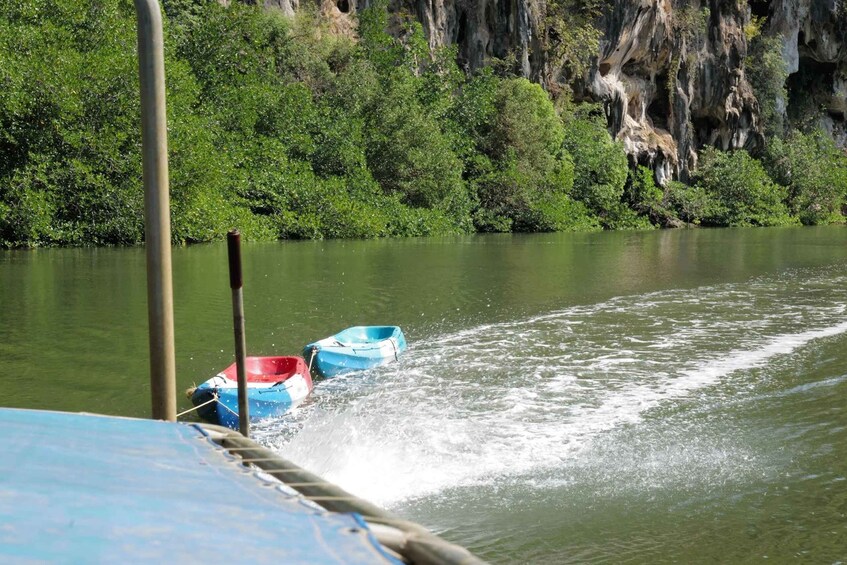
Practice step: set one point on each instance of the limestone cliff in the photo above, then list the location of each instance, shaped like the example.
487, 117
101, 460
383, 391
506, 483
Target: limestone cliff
814, 37
672, 74
672, 78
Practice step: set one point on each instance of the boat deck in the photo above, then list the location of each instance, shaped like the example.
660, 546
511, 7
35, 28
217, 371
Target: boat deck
87, 488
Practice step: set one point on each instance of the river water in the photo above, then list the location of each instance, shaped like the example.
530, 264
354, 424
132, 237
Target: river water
668, 396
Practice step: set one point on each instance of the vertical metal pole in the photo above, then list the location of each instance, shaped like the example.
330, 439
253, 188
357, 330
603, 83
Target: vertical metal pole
157, 228
233, 241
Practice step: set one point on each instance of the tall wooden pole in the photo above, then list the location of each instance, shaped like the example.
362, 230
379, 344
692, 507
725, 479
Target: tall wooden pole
157, 227
233, 240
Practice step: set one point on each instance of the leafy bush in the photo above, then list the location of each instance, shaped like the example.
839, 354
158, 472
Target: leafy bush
559, 212
407, 152
68, 125
27, 208
622, 217
520, 175
415, 222
600, 164
524, 128
688, 202
742, 193
649, 200
815, 172
513, 200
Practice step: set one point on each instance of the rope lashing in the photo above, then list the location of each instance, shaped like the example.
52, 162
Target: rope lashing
394, 345
213, 399
233, 412
312, 358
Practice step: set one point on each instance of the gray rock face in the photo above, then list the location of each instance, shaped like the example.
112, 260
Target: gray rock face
287, 6
485, 28
672, 80
670, 73
814, 38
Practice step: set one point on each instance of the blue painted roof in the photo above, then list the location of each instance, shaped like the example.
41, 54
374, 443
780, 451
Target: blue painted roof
85, 488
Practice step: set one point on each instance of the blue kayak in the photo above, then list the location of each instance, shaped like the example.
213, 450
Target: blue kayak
355, 349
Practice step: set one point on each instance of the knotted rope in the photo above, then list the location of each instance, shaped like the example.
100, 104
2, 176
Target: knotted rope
213, 399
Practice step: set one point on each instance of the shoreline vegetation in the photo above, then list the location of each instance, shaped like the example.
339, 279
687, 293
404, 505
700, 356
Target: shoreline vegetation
290, 129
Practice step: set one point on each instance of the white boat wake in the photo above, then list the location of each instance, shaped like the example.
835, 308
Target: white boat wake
536, 397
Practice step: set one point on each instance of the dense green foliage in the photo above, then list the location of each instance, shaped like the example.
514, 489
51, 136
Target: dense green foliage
69, 154
741, 192
284, 129
814, 171
517, 168
600, 168
647, 198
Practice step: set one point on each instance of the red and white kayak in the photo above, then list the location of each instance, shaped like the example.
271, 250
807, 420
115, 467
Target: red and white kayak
275, 385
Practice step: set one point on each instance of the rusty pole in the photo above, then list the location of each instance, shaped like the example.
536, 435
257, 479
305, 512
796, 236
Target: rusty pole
233, 240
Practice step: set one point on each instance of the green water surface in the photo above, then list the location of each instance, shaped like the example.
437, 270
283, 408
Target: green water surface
667, 396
